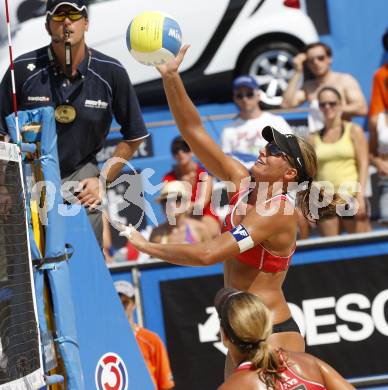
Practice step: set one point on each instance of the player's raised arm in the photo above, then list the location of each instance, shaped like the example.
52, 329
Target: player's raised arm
191, 127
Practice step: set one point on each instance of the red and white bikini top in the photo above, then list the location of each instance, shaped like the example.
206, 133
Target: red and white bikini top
290, 380
258, 257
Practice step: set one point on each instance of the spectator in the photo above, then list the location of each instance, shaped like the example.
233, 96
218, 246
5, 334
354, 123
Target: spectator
86, 88
342, 152
318, 58
243, 135
378, 130
180, 228
186, 169
246, 330
150, 344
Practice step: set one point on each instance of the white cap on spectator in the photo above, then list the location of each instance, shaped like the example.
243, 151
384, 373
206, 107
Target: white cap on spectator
125, 288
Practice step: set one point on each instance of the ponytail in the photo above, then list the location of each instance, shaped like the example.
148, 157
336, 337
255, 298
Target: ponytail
311, 202
314, 202
267, 364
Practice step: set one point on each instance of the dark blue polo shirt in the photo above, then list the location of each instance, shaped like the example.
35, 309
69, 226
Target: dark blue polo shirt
100, 90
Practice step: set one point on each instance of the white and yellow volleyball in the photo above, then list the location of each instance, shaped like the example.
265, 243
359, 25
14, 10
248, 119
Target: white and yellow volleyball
153, 38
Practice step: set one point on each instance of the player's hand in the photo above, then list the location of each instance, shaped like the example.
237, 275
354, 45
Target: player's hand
133, 236
173, 65
91, 193
299, 61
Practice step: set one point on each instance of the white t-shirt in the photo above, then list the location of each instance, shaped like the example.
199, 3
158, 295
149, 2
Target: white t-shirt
244, 136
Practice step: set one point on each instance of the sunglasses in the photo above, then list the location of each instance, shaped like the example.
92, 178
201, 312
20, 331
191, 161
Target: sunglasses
331, 104
72, 15
272, 149
248, 95
320, 58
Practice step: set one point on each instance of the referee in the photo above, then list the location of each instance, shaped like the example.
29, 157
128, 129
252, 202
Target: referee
86, 88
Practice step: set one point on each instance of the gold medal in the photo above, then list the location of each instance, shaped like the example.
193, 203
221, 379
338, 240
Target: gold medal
65, 113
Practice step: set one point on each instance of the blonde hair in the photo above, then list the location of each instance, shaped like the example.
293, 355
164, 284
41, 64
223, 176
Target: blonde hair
251, 323
304, 199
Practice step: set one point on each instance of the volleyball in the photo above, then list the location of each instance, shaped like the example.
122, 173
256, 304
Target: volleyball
153, 38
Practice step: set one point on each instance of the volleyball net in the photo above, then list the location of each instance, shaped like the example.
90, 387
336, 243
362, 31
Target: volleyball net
20, 360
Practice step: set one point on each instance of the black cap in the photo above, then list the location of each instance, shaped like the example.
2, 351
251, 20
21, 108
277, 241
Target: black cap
288, 144
53, 5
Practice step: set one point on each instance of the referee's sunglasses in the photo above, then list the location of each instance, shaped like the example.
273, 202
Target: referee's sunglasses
73, 15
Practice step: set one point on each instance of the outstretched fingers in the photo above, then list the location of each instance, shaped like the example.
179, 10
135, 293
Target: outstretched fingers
173, 65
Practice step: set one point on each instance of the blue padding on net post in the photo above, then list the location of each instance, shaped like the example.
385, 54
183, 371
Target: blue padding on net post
91, 325
103, 329
63, 309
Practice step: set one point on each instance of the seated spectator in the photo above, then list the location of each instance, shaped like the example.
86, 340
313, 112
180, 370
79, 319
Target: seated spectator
246, 329
186, 169
378, 131
150, 344
180, 228
318, 58
243, 135
342, 152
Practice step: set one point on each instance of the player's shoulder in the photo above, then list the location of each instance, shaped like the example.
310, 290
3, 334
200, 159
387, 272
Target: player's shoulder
301, 359
246, 379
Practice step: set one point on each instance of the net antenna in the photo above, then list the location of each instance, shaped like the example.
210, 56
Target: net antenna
38, 376
12, 69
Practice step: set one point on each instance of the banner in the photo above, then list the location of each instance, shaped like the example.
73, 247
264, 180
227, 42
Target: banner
192, 332
340, 306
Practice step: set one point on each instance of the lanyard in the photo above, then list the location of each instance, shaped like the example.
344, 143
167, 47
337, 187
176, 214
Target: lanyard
54, 89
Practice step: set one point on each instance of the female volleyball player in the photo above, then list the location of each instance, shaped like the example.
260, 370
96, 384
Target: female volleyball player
260, 233
245, 328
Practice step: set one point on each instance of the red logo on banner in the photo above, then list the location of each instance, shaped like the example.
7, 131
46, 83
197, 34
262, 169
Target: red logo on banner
111, 373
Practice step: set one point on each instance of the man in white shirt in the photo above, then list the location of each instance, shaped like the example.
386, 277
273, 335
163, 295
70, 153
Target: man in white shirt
243, 135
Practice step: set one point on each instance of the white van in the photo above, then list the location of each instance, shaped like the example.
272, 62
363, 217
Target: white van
227, 37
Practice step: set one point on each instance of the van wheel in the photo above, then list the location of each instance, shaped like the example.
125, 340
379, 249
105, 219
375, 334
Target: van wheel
271, 65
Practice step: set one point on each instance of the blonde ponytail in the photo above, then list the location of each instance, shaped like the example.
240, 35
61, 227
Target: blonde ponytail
310, 202
267, 364
247, 323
